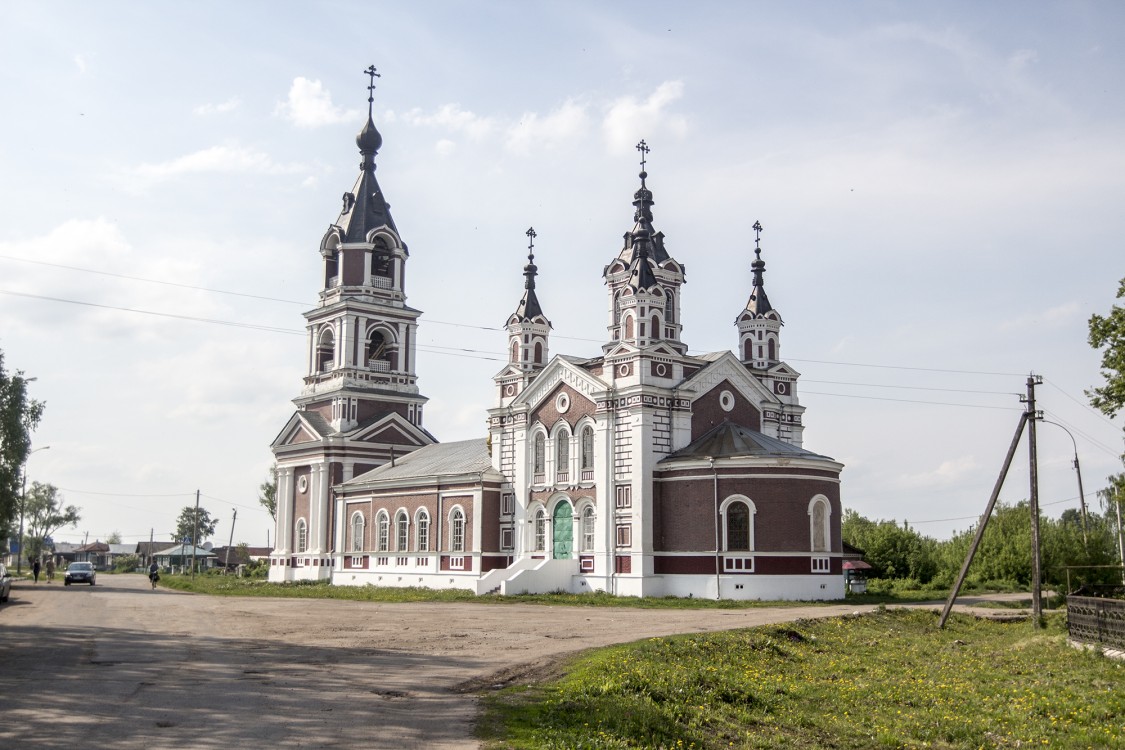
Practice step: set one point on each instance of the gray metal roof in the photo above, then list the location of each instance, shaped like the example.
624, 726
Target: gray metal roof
183, 550
729, 440
440, 459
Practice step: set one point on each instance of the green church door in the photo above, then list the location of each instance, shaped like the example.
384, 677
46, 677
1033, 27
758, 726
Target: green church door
563, 531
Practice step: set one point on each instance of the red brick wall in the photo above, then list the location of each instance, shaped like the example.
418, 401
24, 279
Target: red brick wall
706, 411
580, 406
353, 266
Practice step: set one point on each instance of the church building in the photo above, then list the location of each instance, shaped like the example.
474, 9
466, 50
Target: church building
641, 471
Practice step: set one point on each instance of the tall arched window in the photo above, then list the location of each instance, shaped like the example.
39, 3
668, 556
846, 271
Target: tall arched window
357, 532
538, 352
402, 527
515, 351
588, 529
670, 308
539, 461
748, 349
302, 535
562, 454
771, 346
628, 326
540, 530
457, 531
655, 327
819, 513
325, 350
587, 447
422, 531
384, 531
738, 523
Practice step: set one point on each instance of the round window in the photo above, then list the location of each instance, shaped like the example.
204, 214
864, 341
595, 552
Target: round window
562, 403
509, 390
303, 484
726, 400
781, 387
661, 370
623, 371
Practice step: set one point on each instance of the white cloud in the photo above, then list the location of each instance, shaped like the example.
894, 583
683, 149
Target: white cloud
449, 117
217, 159
1052, 317
80, 63
217, 109
946, 473
629, 120
444, 147
562, 124
310, 106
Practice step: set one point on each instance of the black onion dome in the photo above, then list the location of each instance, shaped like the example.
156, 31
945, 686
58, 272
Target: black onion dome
369, 140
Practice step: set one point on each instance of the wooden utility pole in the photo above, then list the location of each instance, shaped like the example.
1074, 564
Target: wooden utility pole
1033, 464
195, 535
226, 562
983, 522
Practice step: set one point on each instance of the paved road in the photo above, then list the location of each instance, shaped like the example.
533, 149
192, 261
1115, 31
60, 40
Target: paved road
119, 665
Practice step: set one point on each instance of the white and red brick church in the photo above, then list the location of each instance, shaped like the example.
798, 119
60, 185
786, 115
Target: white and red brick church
641, 471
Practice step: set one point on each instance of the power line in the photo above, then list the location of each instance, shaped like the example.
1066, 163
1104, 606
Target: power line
903, 367
913, 401
911, 387
1097, 413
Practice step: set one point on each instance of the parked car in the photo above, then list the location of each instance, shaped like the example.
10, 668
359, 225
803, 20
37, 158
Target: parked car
80, 572
5, 583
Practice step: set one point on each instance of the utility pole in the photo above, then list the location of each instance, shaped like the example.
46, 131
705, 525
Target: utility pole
1120, 531
151, 542
1033, 465
234, 518
983, 522
195, 535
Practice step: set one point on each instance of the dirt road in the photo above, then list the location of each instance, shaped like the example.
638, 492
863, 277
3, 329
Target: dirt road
119, 665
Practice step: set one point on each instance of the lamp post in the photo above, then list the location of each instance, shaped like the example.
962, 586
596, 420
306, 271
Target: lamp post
1078, 470
23, 505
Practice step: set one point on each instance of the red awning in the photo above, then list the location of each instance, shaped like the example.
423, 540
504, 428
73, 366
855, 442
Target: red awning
856, 565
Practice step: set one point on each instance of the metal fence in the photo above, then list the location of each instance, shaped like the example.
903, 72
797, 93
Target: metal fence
1096, 620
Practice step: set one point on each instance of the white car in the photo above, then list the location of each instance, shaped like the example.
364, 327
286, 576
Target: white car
5, 584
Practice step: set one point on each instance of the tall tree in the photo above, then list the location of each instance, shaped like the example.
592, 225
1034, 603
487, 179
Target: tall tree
267, 493
113, 538
45, 514
1108, 332
197, 528
18, 417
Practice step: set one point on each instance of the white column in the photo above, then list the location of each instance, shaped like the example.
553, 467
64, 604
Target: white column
316, 508
324, 481
283, 531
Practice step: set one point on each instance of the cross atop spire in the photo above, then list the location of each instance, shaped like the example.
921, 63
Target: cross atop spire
371, 74
644, 149
757, 238
531, 235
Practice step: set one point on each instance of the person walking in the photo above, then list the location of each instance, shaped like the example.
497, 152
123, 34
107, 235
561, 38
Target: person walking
35, 567
50, 568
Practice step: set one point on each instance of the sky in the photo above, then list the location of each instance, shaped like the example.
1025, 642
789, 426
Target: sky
940, 186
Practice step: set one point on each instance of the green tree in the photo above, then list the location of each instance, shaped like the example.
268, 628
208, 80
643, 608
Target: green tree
242, 553
18, 417
893, 551
267, 493
45, 514
113, 538
189, 523
1108, 332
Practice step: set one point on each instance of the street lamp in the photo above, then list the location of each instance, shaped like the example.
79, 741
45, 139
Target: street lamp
23, 505
1078, 470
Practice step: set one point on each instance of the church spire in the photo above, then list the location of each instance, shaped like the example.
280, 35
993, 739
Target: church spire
528, 327
759, 324
365, 207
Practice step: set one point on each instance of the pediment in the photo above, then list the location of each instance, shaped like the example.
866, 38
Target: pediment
559, 371
393, 428
781, 369
729, 368
297, 430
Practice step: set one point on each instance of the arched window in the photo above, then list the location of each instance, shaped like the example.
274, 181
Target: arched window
587, 447
772, 348
384, 531
357, 532
655, 327
457, 531
402, 527
540, 530
325, 350
562, 454
588, 529
670, 308
302, 535
738, 524
748, 349
422, 531
515, 351
628, 326
538, 352
819, 513
539, 464
379, 350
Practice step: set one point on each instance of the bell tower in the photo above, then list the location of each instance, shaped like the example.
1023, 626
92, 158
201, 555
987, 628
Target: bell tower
528, 327
362, 335
644, 281
759, 324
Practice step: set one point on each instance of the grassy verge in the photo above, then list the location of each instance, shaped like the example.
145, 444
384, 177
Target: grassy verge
885, 680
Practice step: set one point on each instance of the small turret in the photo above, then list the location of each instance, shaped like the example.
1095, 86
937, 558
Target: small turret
759, 324
528, 327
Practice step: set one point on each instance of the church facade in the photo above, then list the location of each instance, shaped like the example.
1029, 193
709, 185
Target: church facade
643, 471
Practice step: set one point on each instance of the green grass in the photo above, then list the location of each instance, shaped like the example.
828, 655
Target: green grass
884, 680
